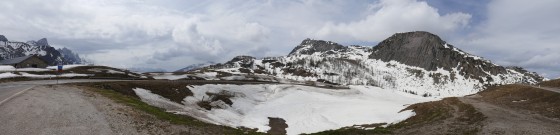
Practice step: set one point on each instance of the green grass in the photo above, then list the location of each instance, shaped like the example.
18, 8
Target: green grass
166, 116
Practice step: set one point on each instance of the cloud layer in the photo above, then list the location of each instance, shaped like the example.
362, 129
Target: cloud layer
522, 33
176, 33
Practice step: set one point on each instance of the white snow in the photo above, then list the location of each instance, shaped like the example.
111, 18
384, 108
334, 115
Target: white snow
167, 76
24, 74
8, 75
305, 109
208, 75
110, 71
7, 68
66, 67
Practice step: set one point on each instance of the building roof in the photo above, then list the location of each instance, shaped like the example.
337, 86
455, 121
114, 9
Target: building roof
15, 60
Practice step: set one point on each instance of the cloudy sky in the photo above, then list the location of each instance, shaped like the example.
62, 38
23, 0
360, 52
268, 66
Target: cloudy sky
171, 34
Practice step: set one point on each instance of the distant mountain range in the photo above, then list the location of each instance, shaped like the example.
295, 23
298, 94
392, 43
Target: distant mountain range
418, 62
195, 66
53, 56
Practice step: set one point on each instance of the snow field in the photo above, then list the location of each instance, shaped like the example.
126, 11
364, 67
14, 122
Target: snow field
305, 109
28, 75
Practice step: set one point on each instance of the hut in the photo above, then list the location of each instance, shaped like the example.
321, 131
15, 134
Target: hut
30, 61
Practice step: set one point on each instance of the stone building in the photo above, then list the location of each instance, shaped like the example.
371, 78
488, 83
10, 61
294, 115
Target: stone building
31, 61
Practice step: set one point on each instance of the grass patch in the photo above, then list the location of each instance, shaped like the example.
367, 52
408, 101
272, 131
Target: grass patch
447, 116
166, 116
171, 90
521, 97
551, 83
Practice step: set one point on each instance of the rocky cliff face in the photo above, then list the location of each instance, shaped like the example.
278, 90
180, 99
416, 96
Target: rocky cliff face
428, 51
70, 57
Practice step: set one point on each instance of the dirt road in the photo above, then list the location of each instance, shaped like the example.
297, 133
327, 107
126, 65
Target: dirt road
59, 109
507, 121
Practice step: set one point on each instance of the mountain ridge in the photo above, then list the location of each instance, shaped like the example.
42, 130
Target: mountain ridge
53, 56
414, 62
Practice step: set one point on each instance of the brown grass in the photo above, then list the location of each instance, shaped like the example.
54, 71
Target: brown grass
196, 125
551, 83
104, 74
454, 116
447, 116
172, 90
546, 103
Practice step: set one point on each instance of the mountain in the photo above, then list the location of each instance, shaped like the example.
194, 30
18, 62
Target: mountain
13, 49
195, 66
70, 57
418, 62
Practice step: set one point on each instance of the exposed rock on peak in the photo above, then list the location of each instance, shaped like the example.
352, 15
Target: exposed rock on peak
237, 61
42, 42
3, 38
421, 49
428, 51
309, 46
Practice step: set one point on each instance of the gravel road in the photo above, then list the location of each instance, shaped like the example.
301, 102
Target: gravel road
506, 121
48, 110
69, 110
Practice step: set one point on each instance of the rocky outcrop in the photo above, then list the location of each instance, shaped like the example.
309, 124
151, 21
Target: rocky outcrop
70, 57
42, 42
238, 61
428, 51
309, 46
3, 38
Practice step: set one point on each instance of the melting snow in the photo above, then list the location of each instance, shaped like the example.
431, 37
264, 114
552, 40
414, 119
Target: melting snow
305, 109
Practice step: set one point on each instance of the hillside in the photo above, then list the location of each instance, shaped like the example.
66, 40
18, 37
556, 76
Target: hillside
419, 63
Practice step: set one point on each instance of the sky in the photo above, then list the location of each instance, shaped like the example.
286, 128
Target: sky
171, 34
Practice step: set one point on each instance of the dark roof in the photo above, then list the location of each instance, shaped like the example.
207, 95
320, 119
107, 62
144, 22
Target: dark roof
15, 60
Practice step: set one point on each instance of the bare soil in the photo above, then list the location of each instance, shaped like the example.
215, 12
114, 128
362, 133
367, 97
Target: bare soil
551, 83
447, 116
277, 126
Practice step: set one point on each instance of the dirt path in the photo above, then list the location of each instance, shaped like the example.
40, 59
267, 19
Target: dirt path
63, 109
557, 90
501, 120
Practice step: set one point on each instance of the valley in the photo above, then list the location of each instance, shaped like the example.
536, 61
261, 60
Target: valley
321, 87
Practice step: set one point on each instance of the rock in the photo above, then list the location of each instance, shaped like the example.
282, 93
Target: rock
3, 38
428, 51
309, 46
42, 42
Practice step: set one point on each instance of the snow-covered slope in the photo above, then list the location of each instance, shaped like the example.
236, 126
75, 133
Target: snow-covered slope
305, 109
419, 63
13, 49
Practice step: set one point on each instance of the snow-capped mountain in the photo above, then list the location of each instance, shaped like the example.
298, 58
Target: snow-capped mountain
195, 66
70, 57
13, 49
419, 63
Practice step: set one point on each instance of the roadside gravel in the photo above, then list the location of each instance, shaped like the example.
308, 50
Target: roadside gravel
508, 121
60, 109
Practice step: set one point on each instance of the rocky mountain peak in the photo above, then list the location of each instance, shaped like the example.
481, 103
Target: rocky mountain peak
421, 49
3, 38
310, 46
428, 51
242, 59
43, 42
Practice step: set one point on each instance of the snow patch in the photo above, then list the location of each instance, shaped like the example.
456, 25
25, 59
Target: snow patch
305, 109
